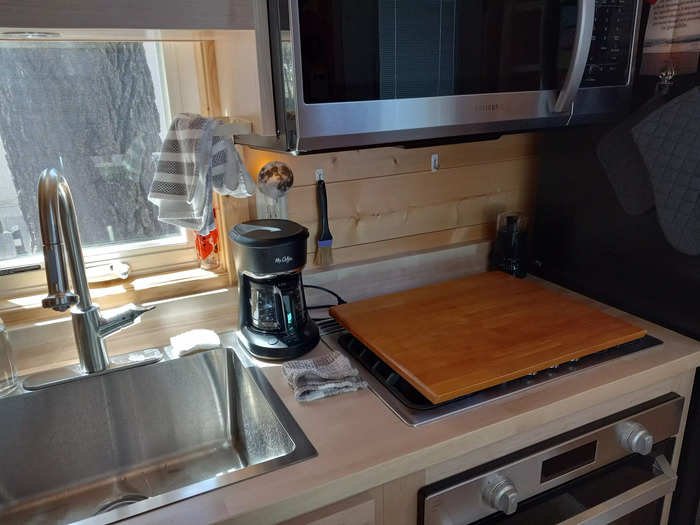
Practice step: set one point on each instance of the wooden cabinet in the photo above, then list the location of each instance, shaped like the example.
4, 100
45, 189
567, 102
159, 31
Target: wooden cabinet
362, 509
396, 502
393, 503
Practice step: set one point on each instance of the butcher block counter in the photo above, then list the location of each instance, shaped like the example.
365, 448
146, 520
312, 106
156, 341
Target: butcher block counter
370, 465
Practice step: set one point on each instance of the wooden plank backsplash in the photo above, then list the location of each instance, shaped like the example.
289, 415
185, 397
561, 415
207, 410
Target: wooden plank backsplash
386, 201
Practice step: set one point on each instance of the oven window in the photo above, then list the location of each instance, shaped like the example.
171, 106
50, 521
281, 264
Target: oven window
387, 49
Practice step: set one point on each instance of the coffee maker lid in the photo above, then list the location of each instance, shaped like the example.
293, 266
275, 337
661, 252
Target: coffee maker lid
263, 233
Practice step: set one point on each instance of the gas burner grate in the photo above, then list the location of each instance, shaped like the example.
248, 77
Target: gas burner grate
328, 326
413, 399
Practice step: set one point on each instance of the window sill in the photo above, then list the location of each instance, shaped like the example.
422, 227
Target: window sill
20, 311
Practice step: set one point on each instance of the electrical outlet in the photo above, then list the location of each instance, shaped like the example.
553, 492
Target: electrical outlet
434, 162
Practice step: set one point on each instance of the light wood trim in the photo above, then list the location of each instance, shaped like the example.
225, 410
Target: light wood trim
239, 90
231, 211
107, 14
234, 211
265, 95
207, 79
111, 294
685, 389
681, 384
387, 201
410, 204
362, 509
142, 262
401, 499
411, 243
180, 60
349, 165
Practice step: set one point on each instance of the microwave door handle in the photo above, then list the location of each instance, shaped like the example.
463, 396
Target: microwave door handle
579, 56
635, 498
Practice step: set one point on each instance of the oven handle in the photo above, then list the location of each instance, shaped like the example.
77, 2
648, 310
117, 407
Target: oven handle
633, 499
579, 56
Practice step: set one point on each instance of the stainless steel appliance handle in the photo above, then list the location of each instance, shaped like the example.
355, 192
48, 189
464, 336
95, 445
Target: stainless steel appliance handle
631, 500
579, 56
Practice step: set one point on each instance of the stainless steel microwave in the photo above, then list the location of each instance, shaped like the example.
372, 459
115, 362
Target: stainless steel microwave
355, 73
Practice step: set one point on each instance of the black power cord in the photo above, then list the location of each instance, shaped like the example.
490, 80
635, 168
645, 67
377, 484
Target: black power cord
340, 299
324, 306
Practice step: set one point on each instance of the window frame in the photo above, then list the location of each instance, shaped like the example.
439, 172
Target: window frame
178, 60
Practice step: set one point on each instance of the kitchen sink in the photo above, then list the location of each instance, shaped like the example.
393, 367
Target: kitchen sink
107, 447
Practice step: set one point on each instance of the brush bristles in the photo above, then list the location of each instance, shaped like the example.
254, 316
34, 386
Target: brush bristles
324, 256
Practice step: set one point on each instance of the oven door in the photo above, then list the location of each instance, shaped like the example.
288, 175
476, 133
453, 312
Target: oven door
629, 492
378, 71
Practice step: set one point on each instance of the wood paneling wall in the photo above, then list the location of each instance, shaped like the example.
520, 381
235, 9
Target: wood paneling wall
387, 201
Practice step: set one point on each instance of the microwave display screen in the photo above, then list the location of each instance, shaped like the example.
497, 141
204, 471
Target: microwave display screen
354, 50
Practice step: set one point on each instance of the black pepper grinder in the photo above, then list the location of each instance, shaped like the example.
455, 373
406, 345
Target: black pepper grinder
510, 251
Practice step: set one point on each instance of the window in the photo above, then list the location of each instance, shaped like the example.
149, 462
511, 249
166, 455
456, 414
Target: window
98, 112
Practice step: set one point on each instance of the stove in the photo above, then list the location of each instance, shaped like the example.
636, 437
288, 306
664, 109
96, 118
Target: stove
415, 409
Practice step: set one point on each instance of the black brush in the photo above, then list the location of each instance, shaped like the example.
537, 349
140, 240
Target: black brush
324, 249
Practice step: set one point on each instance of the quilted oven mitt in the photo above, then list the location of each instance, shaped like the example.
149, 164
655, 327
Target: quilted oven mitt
623, 164
669, 142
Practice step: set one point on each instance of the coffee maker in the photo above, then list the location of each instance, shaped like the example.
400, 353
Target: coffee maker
273, 320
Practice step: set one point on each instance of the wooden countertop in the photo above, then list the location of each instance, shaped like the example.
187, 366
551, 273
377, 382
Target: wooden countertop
361, 444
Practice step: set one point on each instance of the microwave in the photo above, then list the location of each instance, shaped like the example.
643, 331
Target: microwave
358, 73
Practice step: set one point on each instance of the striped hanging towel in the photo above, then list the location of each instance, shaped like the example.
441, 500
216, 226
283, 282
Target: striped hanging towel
192, 162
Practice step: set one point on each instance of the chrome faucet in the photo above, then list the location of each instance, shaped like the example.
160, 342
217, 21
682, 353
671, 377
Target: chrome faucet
58, 226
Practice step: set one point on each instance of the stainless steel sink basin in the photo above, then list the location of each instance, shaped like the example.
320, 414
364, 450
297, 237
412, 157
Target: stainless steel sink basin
108, 447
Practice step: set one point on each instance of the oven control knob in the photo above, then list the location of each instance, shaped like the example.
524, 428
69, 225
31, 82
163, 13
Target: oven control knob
634, 437
500, 493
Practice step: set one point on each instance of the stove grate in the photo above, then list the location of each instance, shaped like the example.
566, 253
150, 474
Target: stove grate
413, 399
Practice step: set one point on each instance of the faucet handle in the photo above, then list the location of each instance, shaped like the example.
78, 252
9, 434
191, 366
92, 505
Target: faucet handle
60, 301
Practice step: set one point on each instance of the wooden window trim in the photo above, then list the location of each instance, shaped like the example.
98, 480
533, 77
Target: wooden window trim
23, 310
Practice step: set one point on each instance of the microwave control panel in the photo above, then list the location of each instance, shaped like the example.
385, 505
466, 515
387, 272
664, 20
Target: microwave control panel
613, 34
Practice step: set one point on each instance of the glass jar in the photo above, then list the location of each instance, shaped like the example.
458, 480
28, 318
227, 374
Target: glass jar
8, 373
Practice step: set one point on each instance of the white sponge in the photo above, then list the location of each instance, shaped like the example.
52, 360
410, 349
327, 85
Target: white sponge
194, 341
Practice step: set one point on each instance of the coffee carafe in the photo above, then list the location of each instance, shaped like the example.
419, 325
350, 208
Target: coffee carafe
273, 320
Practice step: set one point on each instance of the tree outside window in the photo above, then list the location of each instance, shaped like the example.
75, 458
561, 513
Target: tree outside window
95, 111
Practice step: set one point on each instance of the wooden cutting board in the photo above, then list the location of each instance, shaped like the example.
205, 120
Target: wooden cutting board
454, 338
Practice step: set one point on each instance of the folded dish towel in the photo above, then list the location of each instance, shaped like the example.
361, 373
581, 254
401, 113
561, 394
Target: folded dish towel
193, 161
328, 375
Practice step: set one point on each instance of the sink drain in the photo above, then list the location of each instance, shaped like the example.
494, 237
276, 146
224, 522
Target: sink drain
122, 501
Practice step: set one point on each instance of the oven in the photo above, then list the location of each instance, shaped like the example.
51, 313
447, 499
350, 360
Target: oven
352, 73
615, 470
